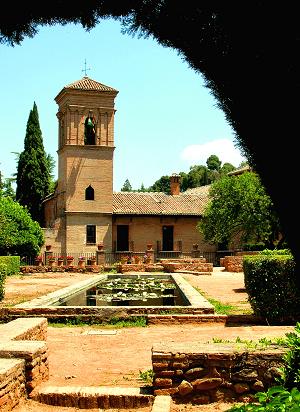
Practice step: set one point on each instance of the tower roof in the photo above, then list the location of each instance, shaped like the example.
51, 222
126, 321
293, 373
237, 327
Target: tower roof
89, 84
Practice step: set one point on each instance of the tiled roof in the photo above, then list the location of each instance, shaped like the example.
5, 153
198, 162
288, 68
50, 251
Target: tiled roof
156, 203
89, 84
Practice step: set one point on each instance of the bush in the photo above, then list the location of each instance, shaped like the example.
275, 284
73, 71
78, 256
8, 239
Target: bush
253, 246
275, 252
19, 234
12, 263
291, 370
3, 272
270, 281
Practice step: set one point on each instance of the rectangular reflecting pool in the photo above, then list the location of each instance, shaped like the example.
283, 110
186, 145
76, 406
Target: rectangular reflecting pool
113, 295
129, 291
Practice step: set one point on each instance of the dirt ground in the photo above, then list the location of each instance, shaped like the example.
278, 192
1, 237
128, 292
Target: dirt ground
92, 356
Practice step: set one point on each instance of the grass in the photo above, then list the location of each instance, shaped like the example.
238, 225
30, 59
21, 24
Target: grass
225, 308
147, 376
261, 344
116, 323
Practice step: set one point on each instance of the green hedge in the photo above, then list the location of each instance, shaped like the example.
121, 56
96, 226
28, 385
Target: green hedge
3, 272
270, 281
276, 252
13, 264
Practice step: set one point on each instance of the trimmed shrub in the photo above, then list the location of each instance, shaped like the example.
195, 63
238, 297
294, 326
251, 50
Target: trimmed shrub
3, 272
12, 263
270, 281
276, 252
253, 246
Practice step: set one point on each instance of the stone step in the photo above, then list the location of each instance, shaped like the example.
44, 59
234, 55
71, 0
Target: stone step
171, 319
90, 397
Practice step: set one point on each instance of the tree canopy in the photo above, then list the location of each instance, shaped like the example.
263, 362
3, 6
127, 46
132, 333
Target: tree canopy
33, 171
247, 54
126, 186
19, 234
240, 209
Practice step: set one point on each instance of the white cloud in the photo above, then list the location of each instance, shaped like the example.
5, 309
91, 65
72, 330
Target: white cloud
223, 148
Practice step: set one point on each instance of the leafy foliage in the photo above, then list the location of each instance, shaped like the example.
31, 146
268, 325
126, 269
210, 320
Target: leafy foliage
198, 175
3, 273
241, 208
276, 399
33, 169
6, 187
126, 186
271, 284
213, 163
12, 263
291, 370
19, 234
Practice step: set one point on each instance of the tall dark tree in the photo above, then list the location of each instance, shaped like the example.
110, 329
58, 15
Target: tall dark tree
126, 186
33, 176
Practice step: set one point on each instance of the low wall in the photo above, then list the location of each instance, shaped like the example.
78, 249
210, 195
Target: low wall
171, 267
232, 263
12, 383
205, 373
23, 359
75, 269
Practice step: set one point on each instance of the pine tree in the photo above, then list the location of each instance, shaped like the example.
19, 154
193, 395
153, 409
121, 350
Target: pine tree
33, 176
126, 186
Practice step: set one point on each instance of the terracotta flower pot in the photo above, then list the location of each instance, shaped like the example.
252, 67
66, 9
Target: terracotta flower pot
69, 262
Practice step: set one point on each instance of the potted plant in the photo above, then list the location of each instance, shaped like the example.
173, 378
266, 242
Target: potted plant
93, 260
60, 260
69, 260
81, 261
39, 260
124, 259
51, 260
136, 259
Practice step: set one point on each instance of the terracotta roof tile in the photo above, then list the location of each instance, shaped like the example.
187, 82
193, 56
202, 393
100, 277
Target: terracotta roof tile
89, 84
156, 203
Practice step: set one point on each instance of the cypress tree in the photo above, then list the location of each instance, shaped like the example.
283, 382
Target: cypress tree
33, 175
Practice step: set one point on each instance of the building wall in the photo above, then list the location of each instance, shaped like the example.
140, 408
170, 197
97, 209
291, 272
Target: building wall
74, 107
76, 231
81, 166
148, 229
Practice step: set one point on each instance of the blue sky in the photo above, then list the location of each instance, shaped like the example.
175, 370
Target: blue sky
166, 120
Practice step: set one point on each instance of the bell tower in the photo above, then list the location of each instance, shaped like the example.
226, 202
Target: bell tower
83, 199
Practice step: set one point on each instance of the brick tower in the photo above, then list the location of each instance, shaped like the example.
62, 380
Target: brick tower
80, 210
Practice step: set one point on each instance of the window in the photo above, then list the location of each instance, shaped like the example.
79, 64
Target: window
91, 234
89, 193
90, 130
